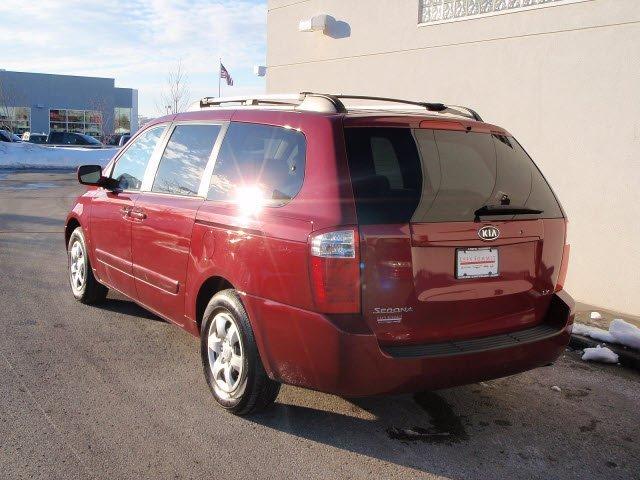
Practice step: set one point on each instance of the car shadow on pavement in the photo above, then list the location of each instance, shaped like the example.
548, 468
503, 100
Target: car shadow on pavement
395, 429
123, 306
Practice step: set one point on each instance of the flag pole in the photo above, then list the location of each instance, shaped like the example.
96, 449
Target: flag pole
219, 74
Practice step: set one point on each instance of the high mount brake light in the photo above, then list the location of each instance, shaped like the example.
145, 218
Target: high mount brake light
335, 270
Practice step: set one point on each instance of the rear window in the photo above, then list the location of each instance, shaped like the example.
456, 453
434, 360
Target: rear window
401, 176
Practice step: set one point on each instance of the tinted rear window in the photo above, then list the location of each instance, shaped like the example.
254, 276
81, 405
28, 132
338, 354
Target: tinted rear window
399, 175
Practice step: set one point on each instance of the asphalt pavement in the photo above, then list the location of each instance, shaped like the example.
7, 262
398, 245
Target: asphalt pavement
114, 392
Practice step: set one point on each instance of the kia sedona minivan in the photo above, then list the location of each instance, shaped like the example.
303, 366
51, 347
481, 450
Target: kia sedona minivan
352, 245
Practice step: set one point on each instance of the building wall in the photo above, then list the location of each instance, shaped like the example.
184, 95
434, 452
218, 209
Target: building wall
564, 79
42, 92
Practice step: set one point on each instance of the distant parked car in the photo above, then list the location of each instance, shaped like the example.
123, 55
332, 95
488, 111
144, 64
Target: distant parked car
117, 139
123, 139
7, 136
34, 137
73, 138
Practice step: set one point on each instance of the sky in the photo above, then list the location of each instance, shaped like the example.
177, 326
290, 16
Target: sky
138, 42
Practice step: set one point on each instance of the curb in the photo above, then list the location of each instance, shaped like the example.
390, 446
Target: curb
627, 357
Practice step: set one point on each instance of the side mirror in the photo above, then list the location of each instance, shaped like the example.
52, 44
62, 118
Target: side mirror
92, 175
89, 174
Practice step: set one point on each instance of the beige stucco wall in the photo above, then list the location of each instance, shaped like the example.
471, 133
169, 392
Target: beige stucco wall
565, 80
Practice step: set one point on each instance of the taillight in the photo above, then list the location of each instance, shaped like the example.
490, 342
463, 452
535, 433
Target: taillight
564, 265
335, 270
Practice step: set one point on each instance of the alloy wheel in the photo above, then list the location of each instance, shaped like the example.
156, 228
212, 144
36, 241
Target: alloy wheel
77, 266
226, 355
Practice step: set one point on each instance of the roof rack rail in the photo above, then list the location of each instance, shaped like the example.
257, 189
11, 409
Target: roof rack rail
332, 103
251, 100
429, 106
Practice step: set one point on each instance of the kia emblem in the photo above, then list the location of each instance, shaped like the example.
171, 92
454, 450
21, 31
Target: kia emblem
489, 233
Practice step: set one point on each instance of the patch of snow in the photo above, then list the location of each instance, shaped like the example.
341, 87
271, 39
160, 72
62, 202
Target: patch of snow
593, 332
556, 388
599, 354
624, 333
595, 316
30, 155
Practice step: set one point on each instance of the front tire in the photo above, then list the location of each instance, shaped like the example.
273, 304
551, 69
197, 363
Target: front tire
84, 286
230, 359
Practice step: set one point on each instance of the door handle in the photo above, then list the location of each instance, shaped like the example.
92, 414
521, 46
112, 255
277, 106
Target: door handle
137, 214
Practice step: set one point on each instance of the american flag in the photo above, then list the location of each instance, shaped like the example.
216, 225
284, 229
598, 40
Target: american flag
225, 74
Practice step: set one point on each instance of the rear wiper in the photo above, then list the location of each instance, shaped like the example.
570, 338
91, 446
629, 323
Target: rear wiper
504, 210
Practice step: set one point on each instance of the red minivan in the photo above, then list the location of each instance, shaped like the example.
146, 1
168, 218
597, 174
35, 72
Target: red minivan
368, 250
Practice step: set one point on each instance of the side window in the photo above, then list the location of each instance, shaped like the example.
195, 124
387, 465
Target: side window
269, 158
55, 137
386, 175
185, 158
130, 167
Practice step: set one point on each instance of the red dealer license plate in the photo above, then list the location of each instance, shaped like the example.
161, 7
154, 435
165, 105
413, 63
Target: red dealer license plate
476, 262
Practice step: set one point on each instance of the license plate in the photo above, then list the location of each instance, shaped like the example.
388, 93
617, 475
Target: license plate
476, 262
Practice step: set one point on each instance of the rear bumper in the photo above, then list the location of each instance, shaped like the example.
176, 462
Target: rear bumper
307, 349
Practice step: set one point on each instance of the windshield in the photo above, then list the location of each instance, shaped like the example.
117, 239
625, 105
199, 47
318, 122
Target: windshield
401, 176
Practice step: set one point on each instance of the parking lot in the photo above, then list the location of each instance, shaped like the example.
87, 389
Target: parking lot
115, 392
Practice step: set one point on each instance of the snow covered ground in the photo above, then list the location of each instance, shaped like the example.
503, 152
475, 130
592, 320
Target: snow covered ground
593, 332
30, 155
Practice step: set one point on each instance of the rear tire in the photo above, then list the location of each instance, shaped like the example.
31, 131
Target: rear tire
84, 286
230, 359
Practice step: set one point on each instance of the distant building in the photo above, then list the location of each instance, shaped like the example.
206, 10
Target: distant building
42, 102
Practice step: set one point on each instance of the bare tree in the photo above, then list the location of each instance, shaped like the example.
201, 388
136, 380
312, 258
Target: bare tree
175, 97
10, 98
105, 122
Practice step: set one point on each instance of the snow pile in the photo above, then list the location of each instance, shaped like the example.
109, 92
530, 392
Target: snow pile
31, 155
593, 332
595, 316
620, 332
599, 354
625, 334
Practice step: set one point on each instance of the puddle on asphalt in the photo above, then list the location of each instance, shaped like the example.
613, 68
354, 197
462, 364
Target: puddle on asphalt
446, 427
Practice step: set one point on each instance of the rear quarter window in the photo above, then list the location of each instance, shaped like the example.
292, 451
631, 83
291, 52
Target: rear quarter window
267, 157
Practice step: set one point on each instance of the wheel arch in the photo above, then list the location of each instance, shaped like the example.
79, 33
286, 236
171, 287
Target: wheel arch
208, 289
72, 223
